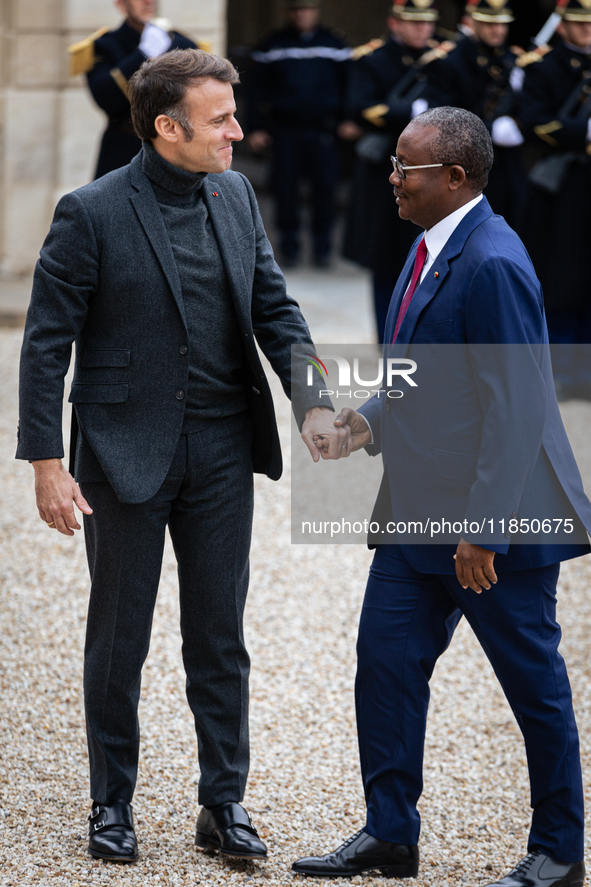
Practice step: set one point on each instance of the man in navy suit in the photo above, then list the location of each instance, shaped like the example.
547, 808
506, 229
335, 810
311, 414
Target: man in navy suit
468, 282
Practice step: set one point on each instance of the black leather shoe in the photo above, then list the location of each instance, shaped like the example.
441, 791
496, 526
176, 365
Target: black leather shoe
537, 870
227, 828
360, 853
111, 834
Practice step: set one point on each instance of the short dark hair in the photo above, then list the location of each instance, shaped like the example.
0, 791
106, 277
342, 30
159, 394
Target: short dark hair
160, 86
462, 138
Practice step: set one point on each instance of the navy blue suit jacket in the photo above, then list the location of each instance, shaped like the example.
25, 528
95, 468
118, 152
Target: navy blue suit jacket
485, 439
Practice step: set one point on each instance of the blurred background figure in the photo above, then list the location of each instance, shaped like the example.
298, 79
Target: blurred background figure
296, 94
385, 91
480, 75
109, 58
556, 114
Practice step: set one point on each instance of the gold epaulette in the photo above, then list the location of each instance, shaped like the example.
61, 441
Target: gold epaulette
536, 55
205, 45
366, 48
441, 51
82, 54
544, 130
375, 113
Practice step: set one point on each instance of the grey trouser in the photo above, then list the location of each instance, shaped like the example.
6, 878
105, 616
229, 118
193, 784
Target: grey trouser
206, 501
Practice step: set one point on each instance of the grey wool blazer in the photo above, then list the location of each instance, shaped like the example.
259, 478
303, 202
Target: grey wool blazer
106, 279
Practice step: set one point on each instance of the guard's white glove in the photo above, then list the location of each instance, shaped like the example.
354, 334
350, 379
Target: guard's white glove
506, 133
516, 78
154, 41
418, 106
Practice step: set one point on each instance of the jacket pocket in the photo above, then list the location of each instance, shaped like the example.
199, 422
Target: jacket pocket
106, 357
247, 241
99, 392
455, 466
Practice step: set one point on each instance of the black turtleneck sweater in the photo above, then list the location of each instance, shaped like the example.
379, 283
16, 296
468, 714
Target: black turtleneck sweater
216, 359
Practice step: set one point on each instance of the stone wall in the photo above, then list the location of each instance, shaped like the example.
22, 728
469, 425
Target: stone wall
49, 126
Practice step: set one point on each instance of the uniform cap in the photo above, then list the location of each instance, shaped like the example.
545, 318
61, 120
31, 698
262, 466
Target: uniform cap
574, 10
415, 10
495, 11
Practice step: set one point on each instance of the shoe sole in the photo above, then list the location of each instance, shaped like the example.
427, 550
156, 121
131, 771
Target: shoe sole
96, 855
404, 870
204, 842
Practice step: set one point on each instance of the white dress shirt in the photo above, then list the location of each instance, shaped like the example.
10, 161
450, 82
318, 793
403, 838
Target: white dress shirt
437, 236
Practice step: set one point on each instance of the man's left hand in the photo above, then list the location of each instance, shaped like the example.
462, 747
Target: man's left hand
474, 566
323, 437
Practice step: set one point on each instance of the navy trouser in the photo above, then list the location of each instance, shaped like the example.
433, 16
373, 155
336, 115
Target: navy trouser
407, 621
206, 502
304, 153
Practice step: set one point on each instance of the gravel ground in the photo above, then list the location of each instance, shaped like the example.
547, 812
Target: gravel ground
304, 790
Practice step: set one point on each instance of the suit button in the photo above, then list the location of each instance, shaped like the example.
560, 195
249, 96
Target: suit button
183, 349
180, 395
388, 406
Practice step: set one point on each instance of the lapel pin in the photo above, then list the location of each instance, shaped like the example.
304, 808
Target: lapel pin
215, 194
436, 274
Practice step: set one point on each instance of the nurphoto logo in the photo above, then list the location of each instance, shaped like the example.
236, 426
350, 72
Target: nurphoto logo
388, 369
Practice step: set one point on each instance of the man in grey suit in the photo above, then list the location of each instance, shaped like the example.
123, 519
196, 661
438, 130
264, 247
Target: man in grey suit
162, 275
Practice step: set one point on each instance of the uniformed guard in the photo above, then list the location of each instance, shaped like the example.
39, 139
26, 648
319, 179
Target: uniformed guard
387, 81
109, 58
556, 115
480, 76
296, 92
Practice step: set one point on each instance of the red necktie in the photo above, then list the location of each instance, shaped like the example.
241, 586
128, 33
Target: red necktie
416, 273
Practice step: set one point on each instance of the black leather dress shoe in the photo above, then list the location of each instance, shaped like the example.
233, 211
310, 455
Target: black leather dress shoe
537, 870
111, 834
360, 853
227, 828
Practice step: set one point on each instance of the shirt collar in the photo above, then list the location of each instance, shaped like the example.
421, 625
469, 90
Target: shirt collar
437, 236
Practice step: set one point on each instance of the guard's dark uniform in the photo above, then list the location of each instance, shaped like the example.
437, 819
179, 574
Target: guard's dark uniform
296, 93
386, 77
375, 235
555, 114
475, 76
116, 58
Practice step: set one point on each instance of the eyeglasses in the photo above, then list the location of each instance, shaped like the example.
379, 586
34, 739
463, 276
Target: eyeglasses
402, 168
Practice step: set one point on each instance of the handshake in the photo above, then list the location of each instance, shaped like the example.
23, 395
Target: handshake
333, 438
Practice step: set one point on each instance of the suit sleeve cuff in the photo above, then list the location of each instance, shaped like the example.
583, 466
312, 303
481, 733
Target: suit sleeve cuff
371, 442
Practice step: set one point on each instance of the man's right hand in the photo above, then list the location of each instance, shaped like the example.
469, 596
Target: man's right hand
360, 433
154, 41
56, 492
